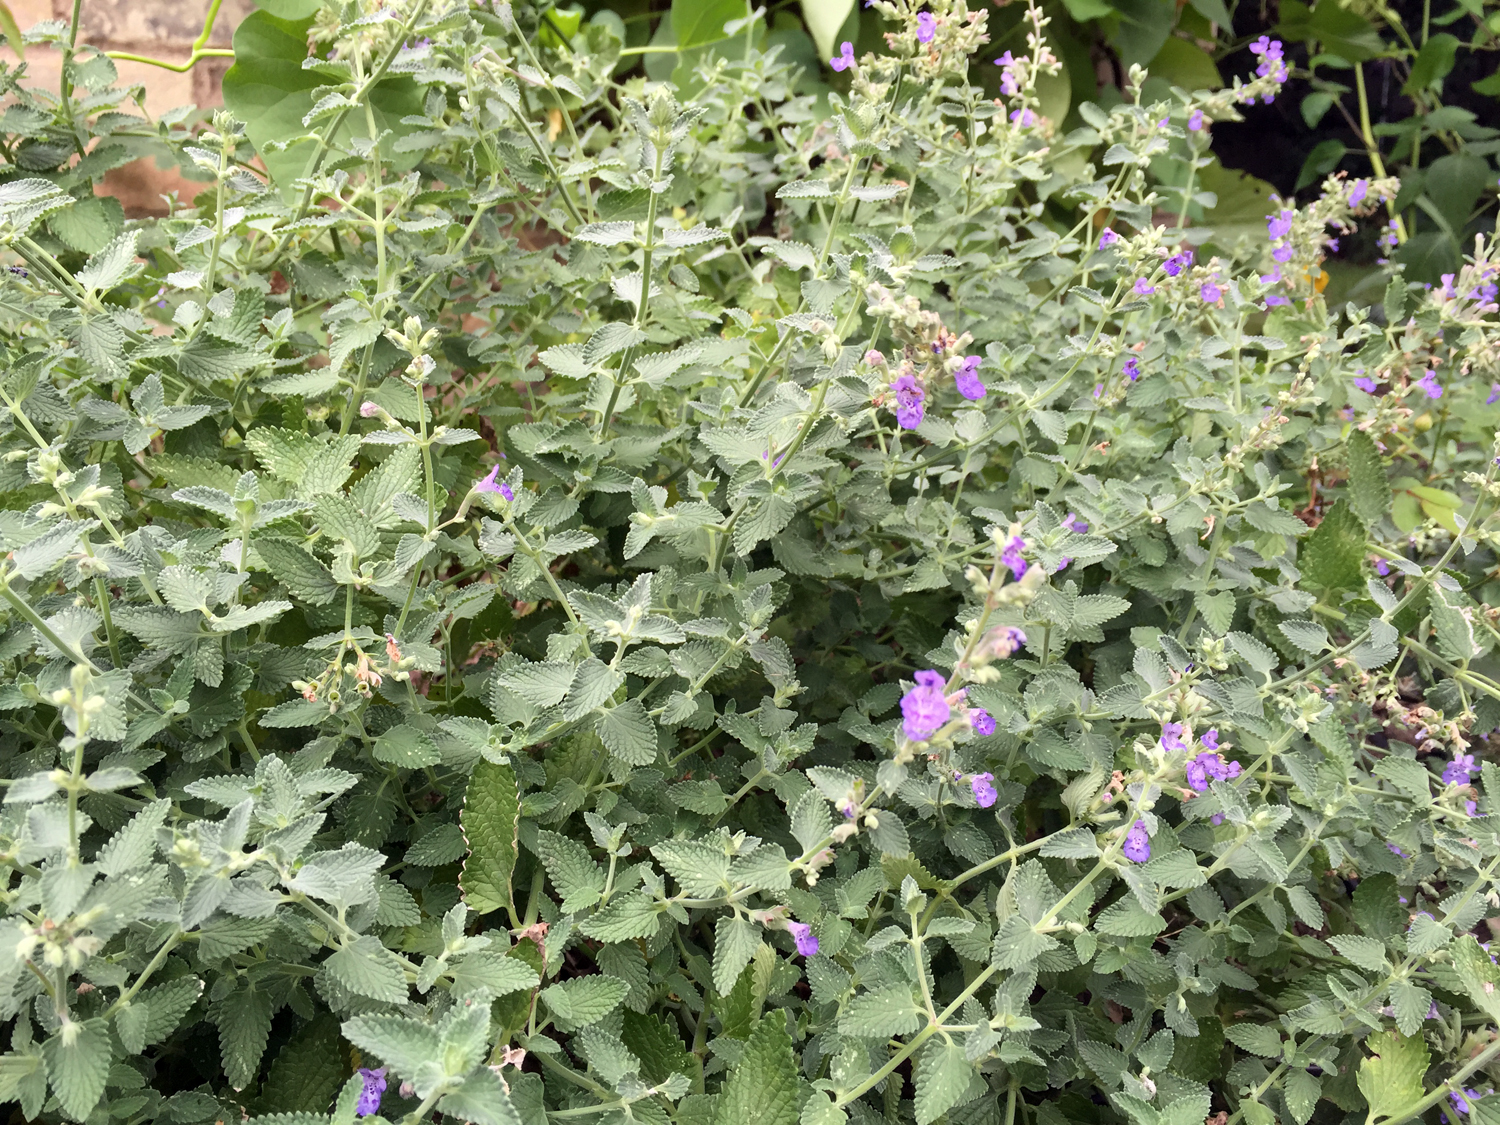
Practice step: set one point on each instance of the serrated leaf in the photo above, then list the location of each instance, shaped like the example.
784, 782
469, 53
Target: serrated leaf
943, 1073
574, 874
77, 1068
1369, 490
583, 1000
366, 968
762, 1089
1331, 556
1390, 1077
490, 819
880, 1014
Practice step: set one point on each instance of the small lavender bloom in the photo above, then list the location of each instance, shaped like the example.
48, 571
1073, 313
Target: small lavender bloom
1171, 737
1178, 262
1137, 847
966, 378
1282, 254
1211, 738
1108, 238
1010, 80
1217, 819
1430, 386
1358, 191
1471, 807
1023, 117
1074, 524
1013, 558
982, 721
1142, 289
1197, 774
1210, 292
844, 59
369, 1097
849, 808
909, 398
1272, 301
1333, 244
493, 483
1279, 226
1098, 389
802, 934
19, 271
1382, 568
1432, 1012
1195, 120
926, 27
1494, 395
1132, 368
368, 409
1457, 771
984, 792
1365, 383
925, 708
1271, 63
1395, 850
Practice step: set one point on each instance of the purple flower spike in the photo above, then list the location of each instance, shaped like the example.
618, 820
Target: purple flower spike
984, 791
926, 27
925, 708
1013, 558
1137, 847
802, 934
966, 378
369, 1097
1178, 262
909, 399
982, 722
844, 59
1108, 238
1458, 771
1279, 226
1171, 737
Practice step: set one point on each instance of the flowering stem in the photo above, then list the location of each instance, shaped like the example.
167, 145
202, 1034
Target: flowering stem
1368, 136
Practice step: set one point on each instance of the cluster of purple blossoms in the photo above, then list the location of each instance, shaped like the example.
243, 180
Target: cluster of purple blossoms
1013, 558
1010, 76
1210, 765
1023, 117
925, 708
1462, 1102
1272, 64
1137, 846
1178, 262
1458, 771
493, 483
807, 943
1429, 384
844, 59
982, 722
909, 399
1388, 240
966, 378
1132, 368
369, 1097
1485, 293
983, 788
926, 27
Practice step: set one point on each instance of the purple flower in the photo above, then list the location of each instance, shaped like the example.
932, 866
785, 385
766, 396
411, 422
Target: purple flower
1211, 738
1000, 642
966, 378
1429, 384
983, 791
1333, 245
1010, 79
1471, 807
1137, 847
1142, 289
1210, 292
1463, 1102
850, 808
909, 398
1178, 262
1382, 568
1273, 301
1023, 117
1357, 192
925, 709
19, 271
1217, 819
1074, 524
1210, 765
802, 933
982, 722
1013, 558
926, 27
368, 409
1365, 383
1494, 395
1271, 63
1132, 368
1395, 850
1457, 771
1195, 120
369, 1097
1279, 226
844, 59
1282, 254
1171, 737
1108, 238
493, 483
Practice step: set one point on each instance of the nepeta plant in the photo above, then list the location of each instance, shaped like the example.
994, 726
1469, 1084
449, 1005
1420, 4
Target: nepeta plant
540, 595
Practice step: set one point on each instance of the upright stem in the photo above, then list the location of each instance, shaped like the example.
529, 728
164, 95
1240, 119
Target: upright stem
1367, 134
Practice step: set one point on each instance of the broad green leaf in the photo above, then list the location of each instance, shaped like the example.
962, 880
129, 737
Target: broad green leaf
824, 19
77, 1067
1369, 490
696, 22
762, 1088
1332, 555
943, 1074
491, 817
1390, 1077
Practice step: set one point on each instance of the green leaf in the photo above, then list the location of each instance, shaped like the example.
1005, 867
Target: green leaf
108, 267
628, 733
482, 1100
244, 1021
1256, 1038
1390, 1078
1332, 555
1433, 63
304, 576
1369, 490
77, 1067
306, 1074
168, 1003
493, 972
824, 18
366, 968
1480, 975
405, 1045
12, 32
633, 915
696, 22
1366, 952
1453, 622
583, 1000
575, 875
735, 941
406, 747
762, 1088
943, 1073
1017, 943
1302, 1092
880, 1014
268, 89
491, 818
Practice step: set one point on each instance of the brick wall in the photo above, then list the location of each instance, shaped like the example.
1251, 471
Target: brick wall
163, 29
